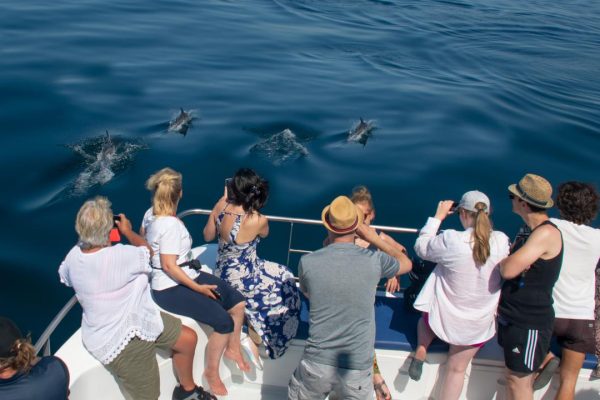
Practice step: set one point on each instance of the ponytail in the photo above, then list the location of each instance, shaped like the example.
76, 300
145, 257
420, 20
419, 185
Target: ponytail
24, 356
165, 186
482, 231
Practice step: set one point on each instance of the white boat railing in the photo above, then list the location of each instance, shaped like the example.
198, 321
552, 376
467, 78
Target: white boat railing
302, 221
43, 343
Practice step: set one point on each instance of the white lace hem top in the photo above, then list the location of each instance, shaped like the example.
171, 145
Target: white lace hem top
112, 286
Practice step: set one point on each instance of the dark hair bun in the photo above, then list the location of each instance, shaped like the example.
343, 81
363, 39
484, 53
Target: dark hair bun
249, 190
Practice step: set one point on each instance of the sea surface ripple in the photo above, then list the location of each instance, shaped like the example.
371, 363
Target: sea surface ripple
464, 95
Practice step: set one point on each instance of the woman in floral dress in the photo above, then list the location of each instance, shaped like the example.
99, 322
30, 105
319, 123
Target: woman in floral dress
272, 300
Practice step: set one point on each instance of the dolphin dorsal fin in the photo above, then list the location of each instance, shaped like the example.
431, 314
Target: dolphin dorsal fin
362, 121
181, 108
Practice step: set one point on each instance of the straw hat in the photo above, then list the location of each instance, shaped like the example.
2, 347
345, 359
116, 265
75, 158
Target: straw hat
533, 189
341, 216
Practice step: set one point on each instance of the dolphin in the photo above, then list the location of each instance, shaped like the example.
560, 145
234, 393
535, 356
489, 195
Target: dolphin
108, 149
182, 123
361, 132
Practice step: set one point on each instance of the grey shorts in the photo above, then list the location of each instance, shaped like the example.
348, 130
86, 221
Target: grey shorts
314, 381
136, 368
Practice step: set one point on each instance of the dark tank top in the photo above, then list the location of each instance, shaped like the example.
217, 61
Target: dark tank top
526, 301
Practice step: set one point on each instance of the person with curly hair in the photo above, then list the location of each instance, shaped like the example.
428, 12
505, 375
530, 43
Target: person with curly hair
23, 375
574, 291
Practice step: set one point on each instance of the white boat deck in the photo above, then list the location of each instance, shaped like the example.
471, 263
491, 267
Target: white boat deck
484, 378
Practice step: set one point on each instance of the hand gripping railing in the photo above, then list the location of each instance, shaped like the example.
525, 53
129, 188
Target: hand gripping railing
43, 343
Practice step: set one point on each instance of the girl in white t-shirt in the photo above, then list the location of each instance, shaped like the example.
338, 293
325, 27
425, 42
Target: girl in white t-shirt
185, 291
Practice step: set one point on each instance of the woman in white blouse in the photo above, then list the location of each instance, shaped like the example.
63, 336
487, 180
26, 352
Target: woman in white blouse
460, 298
121, 325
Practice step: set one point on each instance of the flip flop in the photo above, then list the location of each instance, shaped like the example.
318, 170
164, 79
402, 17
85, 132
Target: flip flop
246, 348
382, 391
546, 373
415, 369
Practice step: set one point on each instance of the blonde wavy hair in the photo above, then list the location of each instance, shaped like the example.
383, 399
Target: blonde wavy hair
165, 186
94, 222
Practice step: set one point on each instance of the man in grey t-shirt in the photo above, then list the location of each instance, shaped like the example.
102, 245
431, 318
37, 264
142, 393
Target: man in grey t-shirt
340, 280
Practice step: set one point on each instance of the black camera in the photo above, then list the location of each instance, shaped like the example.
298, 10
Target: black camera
228, 185
454, 206
216, 293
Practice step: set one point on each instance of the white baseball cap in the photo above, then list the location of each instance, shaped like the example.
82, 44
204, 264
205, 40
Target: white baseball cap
470, 199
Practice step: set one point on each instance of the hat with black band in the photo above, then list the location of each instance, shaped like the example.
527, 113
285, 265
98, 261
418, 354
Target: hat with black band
533, 189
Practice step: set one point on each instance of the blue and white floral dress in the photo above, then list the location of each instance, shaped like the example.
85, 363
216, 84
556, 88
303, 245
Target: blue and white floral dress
272, 299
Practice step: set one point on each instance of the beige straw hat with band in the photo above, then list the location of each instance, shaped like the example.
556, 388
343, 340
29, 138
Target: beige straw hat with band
341, 216
534, 190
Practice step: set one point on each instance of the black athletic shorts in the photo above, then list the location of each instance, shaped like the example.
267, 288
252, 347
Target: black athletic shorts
524, 349
575, 334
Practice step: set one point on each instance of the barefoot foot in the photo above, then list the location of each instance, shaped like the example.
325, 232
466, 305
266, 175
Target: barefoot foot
215, 384
238, 358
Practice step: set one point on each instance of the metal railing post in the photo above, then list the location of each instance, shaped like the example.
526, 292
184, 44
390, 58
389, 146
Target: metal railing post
43, 343
44, 340
289, 244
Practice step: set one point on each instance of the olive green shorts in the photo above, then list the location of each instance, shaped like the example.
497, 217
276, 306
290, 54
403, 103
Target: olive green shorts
136, 368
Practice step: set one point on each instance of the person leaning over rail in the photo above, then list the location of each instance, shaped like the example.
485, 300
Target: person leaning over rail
361, 196
24, 376
525, 313
463, 289
178, 288
121, 326
574, 290
340, 281
272, 298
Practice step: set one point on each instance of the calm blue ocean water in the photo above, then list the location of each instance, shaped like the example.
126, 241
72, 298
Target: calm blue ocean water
463, 95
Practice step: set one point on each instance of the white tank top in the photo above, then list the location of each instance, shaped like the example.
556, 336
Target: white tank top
574, 290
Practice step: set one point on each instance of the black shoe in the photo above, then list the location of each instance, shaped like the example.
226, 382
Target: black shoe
546, 373
415, 369
197, 394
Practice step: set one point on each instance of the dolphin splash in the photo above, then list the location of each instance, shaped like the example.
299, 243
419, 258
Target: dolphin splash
182, 122
102, 158
281, 147
361, 132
